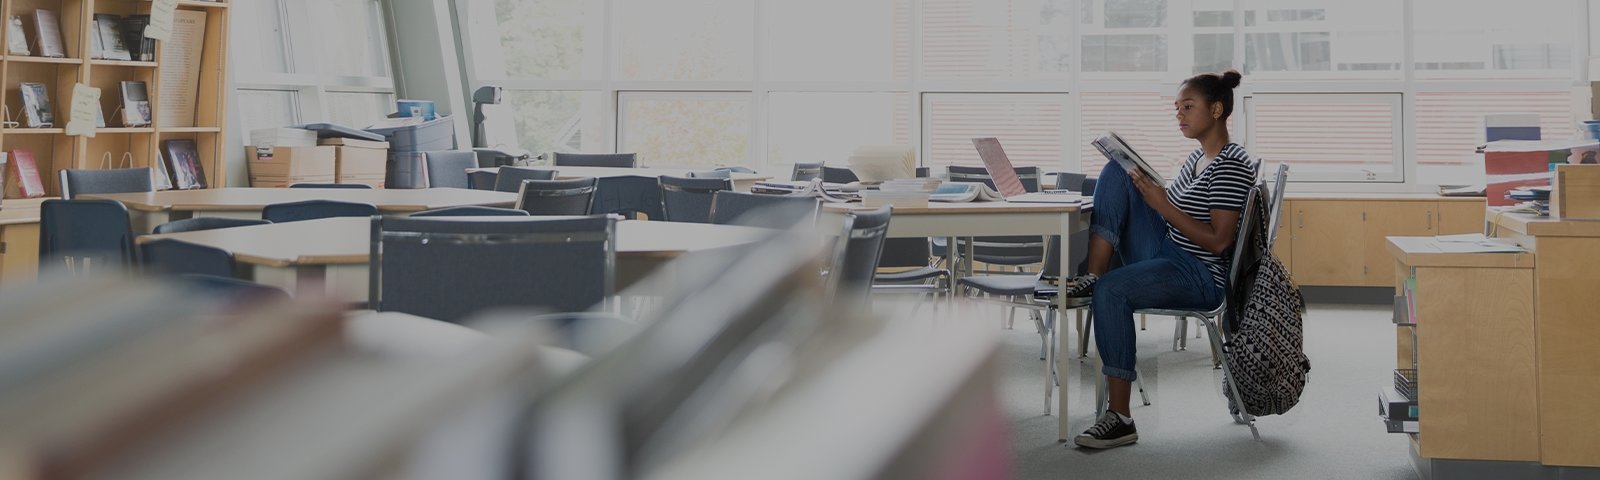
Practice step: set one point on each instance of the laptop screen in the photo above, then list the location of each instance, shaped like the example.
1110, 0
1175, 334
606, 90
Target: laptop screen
999, 166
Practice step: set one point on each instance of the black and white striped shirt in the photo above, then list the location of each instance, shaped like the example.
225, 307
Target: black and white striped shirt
1223, 185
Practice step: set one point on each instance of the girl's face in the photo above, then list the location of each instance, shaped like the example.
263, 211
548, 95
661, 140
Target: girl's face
1195, 115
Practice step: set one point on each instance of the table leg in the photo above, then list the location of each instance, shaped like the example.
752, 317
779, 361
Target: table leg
1069, 222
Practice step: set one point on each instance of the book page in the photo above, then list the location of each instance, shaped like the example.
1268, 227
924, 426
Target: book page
180, 69
163, 15
85, 104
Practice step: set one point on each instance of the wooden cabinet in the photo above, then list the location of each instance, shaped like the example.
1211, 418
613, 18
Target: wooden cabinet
1339, 240
19, 254
1327, 239
1283, 245
1385, 219
1461, 217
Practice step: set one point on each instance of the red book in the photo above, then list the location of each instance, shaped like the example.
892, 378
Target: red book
26, 173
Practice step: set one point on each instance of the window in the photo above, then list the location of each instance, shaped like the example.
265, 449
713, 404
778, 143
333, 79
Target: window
1031, 128
1451, 127
359, 108
686, 129
1328, 137
351, 37
267, 109
685, 40
809, 127
1337, 40
261, 40
871, 44
995, 39
545, 40
1496, 40
1145, 119
560, 121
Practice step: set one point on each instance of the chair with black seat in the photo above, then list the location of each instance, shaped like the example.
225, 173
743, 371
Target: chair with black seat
856, 263
804, 172
448, 269
736, 169
629, 196
177, 257
1011, 250
510, 178
909, 257
482, 179
838, 175
84, 236
1069, 181
76, 182
315, 209
574, 196
448, 168
205, 223
471, 211
767, 211
689, 199
1088, 185
343, 186
1032, 292
616, 160
709, 174
237, 292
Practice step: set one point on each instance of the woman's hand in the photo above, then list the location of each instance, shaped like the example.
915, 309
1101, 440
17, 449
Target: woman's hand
1153, 194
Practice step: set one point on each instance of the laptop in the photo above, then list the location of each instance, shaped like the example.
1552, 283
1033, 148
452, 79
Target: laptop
1006, 180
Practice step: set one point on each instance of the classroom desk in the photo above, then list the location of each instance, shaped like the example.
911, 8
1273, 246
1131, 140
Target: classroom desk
741, 181
976, 219
331, 254
150, 209
19, 241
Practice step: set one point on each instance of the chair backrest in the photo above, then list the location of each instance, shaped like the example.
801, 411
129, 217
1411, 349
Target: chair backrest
176, 257
855, 267
628, 195
448, 269
76, 182
1243, 242
689, 199
448, 168
905, 252
315, 209
1275, 213
769, 211
838, 175
472, 211
622, 160
1069, 180
709, 174
923, 172
573, 196
84, 235
510, 178
804, 172
1088, 185
482, 179
1028, 175
238, 292
346, 186
205, 223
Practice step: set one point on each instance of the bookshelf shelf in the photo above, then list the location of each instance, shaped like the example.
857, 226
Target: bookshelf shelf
34, 131
122, 63
201, 4
59, 61
124, 130
191, 130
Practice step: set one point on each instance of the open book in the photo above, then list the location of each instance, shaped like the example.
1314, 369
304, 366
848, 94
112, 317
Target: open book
812, 188
1118, 151
960, 192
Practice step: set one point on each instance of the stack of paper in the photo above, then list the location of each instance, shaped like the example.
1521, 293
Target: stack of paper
1475, 243
283, 137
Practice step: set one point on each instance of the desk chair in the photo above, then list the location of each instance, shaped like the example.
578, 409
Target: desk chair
176, 257
76, 182
510, 178
557, 197
471, 211
448, 269
346, 186
617, 160
1011, 250
689, 199
1070, 181
804, 172
856, 263
838, 175
448, 168
769, 211
709, 174
482, 179
205, 223
84, 236
629, 196
315, 209
1088, 185
911, 256
238, 292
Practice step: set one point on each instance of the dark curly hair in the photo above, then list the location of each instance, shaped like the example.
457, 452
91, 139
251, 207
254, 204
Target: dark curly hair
1217, 88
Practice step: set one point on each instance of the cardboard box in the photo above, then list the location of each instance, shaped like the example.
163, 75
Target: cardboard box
1576, 193
359, 161
269, 181
291, 162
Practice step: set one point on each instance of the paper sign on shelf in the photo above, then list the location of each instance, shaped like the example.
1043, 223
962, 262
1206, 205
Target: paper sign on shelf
161, 19
85, 102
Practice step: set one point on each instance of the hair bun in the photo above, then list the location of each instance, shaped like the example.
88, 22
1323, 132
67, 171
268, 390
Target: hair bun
1231, 79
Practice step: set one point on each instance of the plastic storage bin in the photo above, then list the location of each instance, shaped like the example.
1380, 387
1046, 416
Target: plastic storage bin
437, 134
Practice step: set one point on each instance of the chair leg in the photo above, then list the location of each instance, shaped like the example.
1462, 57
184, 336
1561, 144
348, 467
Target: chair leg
1083, 335
1139, 384
1178, 333
1144, 321
1049, 359
1243, 417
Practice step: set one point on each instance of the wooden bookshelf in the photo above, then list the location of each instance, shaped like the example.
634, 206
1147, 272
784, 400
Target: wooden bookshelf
54, 150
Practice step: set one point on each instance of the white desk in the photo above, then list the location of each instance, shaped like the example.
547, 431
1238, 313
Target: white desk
741, 181
149, 209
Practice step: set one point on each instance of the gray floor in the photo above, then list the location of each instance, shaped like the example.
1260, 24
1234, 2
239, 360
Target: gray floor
1187, 433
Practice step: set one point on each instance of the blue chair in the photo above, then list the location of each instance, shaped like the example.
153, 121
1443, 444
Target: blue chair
510, 178
838, 175
769, 211
629, 195
235, 291
339, 186
557, 197
76, 182
857, 263
482, 179
448, 168
1010, 250
618, 160
472, 211
205, 223
176, 257
1069, 180
804, 172
1088, 185
315, 209
689, 199
448, 269
83, 236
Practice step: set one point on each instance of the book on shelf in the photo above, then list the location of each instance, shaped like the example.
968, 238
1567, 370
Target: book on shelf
108, 35
140, 48
184, 162
135, 104
36, 105
17, 38
160, 179
417, 108
47, 32
97, 45
24, 173
180, 69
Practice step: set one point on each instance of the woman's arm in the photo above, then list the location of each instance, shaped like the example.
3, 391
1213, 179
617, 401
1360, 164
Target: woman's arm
1215, 237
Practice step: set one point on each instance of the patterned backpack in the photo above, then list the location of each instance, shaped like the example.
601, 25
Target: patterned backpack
1265, 351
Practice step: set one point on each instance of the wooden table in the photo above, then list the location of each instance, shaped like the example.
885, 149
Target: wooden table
19, 240
154, 208
976, 219
331, 255
741, 181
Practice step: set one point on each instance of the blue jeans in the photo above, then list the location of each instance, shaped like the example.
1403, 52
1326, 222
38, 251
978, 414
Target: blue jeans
1154, 272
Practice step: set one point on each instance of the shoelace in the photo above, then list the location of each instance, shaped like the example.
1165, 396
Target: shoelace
1081, 284
1106, 423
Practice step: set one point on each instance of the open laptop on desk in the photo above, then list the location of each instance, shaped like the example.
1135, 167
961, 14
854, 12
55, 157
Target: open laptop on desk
1006, 180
